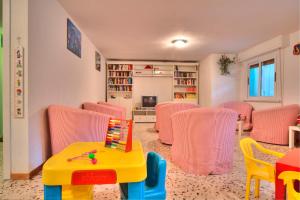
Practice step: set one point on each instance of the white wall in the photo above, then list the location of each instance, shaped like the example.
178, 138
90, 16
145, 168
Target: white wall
290, 69
205, 81
19, 127
56, 75
162, 87
215, 88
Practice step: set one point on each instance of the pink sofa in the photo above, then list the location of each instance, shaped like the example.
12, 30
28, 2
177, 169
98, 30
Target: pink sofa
69, 125
165, 124
157, 113
243, 109
272, 125
123, 109
204, 140
117, 112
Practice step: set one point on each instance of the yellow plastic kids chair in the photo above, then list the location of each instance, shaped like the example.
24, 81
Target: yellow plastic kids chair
257, 169
288, 178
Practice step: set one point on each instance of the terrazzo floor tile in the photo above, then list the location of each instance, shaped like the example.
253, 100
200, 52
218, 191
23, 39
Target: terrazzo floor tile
180, 185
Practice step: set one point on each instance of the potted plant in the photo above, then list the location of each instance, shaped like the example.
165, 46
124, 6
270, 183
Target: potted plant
224, 62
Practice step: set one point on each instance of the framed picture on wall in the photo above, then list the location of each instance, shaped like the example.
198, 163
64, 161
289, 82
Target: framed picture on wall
98, 61
73, 38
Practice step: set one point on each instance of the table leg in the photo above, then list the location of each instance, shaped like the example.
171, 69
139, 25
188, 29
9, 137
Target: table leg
136, 190
279, 185
52, 192
291, 138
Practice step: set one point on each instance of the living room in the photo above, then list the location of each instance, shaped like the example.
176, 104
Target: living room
196, 81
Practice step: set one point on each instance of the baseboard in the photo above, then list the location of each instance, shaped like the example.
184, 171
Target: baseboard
26, 176
19, 176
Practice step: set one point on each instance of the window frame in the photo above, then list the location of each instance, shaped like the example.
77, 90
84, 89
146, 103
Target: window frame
277, 87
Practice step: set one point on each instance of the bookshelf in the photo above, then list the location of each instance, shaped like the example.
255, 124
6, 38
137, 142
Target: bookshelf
185, 81
119, 80
127, 81
119, 85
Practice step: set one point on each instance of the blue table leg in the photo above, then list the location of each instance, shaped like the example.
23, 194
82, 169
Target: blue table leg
52, 192
136, 190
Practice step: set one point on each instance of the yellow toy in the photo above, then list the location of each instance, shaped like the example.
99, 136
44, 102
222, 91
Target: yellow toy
69, 176
288, 178
257, 169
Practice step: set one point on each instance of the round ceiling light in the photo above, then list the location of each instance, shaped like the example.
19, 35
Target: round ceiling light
179, 43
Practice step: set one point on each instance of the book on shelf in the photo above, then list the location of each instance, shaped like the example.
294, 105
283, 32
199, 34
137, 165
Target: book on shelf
179, 74
185, 82
120, 74
120, 67
120, 88
112, 80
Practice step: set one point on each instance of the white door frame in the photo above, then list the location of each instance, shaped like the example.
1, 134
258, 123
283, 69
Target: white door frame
6, 91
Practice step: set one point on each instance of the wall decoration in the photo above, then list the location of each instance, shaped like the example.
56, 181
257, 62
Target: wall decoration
224, 62
98, 61
73, 38
296, 50
19, 82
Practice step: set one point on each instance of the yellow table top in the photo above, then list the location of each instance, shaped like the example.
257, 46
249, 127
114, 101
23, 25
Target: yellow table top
129, 167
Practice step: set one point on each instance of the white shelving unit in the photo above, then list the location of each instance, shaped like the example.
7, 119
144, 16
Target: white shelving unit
144, 115
119, 86
182, 84
185, 83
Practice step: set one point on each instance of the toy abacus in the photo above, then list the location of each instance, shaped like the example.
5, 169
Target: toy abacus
119, 135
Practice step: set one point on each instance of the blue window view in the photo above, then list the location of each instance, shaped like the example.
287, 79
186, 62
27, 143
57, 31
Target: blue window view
267, 78
254, 80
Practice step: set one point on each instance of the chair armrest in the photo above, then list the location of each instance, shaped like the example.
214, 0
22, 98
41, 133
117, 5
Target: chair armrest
270, 152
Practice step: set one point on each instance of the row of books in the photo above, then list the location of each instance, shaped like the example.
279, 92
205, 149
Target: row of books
120, 88
120, 81
185, 81
178, 95
122, 74
120, 67
185, 74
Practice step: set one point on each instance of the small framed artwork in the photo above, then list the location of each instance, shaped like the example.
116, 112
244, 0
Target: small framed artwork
73, 38
296, 50
98, 61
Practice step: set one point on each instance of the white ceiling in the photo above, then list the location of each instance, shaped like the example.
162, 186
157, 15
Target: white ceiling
143, 29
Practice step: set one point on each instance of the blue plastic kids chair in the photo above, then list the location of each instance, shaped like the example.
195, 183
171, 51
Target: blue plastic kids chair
155, 181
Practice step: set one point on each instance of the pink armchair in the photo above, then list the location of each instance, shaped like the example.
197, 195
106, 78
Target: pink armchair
204, 140
165, 124
243, 109
117, 112
69, 125
157, 112
123, 109
272, 125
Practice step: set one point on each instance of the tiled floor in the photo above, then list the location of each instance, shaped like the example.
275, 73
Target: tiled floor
180, 185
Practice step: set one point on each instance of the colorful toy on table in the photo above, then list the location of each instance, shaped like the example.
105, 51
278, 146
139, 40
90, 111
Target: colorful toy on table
119, 135
89, 154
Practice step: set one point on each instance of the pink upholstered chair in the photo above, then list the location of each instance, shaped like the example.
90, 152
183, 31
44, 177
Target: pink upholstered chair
272, 125
69, 125
105, 109
204, 140
165, 124
243, 109
157, 113
123, 109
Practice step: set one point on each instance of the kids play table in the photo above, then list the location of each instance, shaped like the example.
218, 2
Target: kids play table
113, 166
290, 162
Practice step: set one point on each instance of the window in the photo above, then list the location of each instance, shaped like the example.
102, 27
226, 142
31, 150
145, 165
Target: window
262, 75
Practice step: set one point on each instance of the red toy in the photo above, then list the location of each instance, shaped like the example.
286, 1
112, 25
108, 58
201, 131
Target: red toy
119, 135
